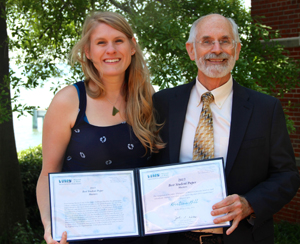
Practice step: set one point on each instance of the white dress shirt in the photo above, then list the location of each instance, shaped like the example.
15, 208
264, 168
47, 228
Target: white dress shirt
221, 111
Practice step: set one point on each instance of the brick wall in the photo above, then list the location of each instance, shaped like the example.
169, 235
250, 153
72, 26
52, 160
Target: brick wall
284, 15
291, 211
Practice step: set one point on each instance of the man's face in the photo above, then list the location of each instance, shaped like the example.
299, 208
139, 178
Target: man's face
215, 61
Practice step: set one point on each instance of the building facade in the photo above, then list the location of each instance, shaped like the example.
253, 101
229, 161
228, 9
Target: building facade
284, 15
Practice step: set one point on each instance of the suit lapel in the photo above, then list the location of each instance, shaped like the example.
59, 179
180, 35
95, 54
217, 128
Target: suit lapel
178, 107
241, 113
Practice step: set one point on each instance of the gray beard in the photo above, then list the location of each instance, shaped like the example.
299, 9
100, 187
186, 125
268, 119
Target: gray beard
216, 70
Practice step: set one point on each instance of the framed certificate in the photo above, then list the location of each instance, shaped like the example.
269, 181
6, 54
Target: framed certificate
136, 202
93, 205
180, 197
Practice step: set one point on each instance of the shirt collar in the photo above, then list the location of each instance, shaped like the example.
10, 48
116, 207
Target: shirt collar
220, 93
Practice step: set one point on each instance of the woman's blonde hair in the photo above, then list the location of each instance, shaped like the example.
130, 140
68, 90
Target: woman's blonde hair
137, 88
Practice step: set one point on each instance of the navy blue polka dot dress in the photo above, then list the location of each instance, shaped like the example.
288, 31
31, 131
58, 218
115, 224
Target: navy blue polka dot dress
100, 148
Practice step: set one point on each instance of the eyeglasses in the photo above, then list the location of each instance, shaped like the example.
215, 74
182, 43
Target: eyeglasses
225, 44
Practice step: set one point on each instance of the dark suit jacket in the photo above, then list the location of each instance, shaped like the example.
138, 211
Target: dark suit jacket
260, 163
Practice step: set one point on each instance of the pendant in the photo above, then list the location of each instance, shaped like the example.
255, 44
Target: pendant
114, 111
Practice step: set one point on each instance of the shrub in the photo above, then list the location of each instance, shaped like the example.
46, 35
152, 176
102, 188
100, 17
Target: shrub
20, 234
287, 233
30, 161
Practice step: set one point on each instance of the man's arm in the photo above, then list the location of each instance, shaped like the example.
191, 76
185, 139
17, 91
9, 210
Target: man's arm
270, 195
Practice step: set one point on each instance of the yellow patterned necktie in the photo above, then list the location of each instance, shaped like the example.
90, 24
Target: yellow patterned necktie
204, 136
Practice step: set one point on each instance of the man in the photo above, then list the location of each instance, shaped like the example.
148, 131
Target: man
249, 132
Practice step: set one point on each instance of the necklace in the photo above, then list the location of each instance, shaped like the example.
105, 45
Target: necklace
115, 110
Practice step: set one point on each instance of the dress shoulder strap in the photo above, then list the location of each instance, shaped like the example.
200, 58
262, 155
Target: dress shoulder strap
82, 100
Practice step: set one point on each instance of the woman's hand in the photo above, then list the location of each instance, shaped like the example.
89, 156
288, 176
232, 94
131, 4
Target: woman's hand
48, 237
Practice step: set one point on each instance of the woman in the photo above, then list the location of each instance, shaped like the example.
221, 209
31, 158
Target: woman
105, 122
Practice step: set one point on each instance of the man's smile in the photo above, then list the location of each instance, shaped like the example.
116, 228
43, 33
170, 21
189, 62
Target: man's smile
216, 60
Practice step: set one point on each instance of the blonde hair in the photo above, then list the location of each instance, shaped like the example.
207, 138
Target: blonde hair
137, 87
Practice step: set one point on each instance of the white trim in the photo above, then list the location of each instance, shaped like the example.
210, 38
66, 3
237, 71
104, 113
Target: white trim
298, 162
287, 42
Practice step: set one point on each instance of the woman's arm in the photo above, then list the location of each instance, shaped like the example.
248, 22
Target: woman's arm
60, 118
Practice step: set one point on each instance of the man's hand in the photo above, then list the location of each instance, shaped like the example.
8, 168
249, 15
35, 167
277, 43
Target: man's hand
235, 207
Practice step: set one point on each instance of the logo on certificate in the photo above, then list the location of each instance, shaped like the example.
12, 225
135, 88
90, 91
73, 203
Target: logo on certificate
158, 175
65, 181
69, 181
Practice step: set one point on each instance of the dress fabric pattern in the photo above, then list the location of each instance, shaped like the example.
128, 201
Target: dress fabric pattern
103, 148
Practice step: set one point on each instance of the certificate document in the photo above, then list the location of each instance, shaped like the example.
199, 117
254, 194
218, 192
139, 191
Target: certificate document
93, 205
180, 197
136, 202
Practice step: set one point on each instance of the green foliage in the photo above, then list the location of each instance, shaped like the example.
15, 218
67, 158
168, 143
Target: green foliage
163, 28
43, 33
30, 161
289, 122
5, 113
21, 235
287, 233
46, 31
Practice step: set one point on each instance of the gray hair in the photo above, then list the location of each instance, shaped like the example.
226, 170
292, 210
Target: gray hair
193, 31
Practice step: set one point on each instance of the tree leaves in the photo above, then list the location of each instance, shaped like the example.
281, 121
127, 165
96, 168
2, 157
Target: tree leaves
43, 33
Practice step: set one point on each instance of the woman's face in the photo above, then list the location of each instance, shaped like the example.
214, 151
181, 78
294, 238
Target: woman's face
110, 51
